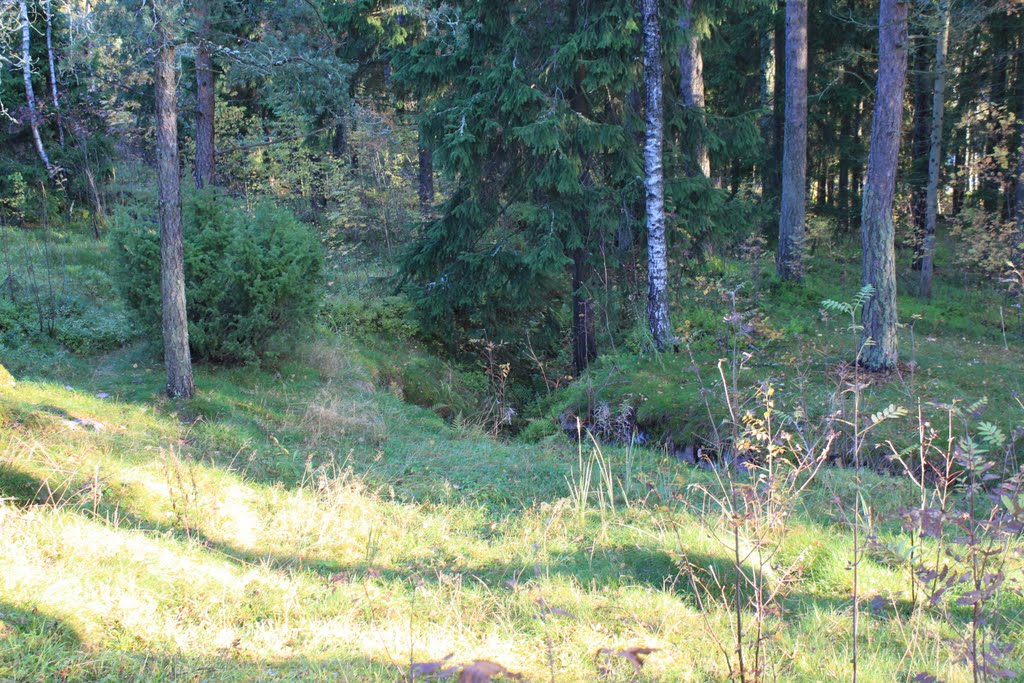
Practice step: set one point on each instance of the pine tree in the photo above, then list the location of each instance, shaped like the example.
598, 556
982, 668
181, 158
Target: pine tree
789, 261
878, 234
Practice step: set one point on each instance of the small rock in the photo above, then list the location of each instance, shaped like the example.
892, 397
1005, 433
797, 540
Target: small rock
102, 394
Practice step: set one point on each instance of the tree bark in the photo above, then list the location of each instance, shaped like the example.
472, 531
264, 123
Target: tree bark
790, 260
879, 319
53, 72
177, 358
765, 122
654, 181
426, 180
934, 155
691, 89
30, 95
1017, 252
206, 104
584, 341
919, 150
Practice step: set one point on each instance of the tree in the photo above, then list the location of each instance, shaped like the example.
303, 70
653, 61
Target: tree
934, 154
879, 318
54, 91
30, 95
789, 261
691, 89
177, 358
205, 99
654, 181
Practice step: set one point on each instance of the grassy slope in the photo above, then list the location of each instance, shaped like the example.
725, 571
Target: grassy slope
951, 349
303, 523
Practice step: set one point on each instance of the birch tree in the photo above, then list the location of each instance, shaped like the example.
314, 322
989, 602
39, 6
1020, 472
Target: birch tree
654, 182
30, 95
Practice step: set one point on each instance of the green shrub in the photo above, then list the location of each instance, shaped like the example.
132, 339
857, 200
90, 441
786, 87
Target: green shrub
249, 274
389, 316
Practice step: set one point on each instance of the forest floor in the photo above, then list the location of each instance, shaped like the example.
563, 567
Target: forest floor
304, 522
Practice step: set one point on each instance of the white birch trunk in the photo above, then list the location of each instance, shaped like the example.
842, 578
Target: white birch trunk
30, 95
53, 71
654, 184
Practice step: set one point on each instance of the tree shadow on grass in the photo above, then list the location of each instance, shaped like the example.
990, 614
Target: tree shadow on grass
36, 646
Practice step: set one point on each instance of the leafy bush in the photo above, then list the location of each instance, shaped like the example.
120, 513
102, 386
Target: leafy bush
249, 274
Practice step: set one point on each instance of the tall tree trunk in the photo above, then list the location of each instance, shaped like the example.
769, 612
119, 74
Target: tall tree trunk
691, 89
30, 94
766, 122
53, 72
778, 103
654, 181
790, 259
1017, 252
1017, 249
843, 191
205, 102
584, 341
919, 150
177, 358
934, 154
426, 180
877, 229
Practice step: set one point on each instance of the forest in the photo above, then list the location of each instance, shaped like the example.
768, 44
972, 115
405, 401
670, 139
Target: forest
480, 340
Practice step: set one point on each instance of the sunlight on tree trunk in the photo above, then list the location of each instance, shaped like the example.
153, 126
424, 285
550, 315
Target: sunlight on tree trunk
30, 95
691, 89
654, 182
790, 259
177, 358
879, 319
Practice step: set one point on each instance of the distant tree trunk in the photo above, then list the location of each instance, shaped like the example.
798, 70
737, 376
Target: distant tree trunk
1017, 248
877, 229
919, 150
339, 145
206, 104
843, 191
778, 103
426, 180
584, 341
934, 155
691, 89
53, 72
1018, 211
766, 122
790, 259
177, 358
30, 95
654, 182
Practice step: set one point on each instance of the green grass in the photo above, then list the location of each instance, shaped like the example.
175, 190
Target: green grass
305, 521
951, 348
